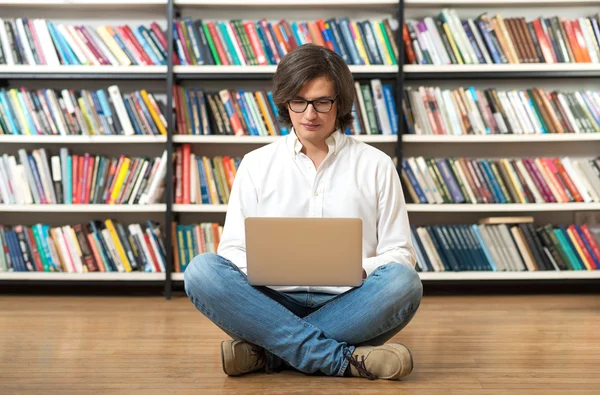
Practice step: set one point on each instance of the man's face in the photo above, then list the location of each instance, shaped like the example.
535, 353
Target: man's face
310, 125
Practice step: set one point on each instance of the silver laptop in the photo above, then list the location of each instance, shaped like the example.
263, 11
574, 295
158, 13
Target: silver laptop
304, 251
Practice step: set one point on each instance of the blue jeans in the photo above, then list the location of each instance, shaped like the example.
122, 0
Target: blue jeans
309, 332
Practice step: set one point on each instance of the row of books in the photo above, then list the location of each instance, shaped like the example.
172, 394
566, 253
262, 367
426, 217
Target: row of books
203, 180
80, 112
254, 113
448, 39
98, 246
26, 41
520, 180
431, 110
506, 244
80, 179
237, 42
192, 240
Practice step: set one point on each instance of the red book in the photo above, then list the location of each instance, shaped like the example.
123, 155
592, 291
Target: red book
551, 178
90, 175
74, 178
163, 41
36, 41
410, 53
270, 40
590, 239
322, 28
179, 175
133, 46
81, 182
280, 39
218, 43
288, 31
186, 51
315, 32
151, 250
89, 41
568, 181
34, 250
255, 43
549, 55
588, 261
186, 173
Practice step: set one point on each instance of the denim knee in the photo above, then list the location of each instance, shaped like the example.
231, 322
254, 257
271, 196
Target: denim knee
403, 283
200, 277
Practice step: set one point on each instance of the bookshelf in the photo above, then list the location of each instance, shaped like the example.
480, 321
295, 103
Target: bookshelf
215, 77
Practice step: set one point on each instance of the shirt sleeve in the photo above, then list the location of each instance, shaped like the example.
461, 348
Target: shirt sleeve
394, 242
243, 202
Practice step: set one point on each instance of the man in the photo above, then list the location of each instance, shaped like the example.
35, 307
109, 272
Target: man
315, 171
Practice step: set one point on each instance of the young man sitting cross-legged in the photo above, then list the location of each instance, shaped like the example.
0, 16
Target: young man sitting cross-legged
315, 171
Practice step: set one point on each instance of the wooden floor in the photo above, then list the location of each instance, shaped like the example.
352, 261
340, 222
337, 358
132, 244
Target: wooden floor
147, 345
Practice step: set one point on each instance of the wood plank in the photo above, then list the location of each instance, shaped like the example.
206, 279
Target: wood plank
491, 345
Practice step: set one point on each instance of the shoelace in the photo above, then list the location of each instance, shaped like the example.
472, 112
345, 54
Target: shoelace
261, 356
360, 366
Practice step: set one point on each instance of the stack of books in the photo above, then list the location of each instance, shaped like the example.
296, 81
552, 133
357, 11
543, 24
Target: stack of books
506, 244
99, 246
192, 240
41, 42
80, 179
448, 39
80, 112
433, 111
524, 180
237, 42
203, 180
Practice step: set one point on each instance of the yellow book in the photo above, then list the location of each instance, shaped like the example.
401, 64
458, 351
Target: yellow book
114, 194
233, 169
452, 43
265, 113
14, 93
509, 43
153, 113
587, 263
513, 180
381, 41
86, 115
188, 233
113, 233
113, 46
360, 45
212, 187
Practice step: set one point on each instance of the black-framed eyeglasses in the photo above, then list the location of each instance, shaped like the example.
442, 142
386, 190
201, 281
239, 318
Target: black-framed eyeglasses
320, 105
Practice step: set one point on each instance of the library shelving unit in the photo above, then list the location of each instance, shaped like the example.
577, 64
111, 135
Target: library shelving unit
92, 12
253, 76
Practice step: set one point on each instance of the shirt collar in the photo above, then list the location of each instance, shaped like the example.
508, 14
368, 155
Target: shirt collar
334, 142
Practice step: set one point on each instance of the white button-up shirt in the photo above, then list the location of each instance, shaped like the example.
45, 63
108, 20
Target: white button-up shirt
355, 180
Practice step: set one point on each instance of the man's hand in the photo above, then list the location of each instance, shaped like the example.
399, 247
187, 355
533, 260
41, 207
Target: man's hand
364, 274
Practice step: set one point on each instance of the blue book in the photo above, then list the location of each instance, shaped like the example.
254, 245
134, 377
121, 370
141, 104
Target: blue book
344, 25
241, 99
488, 42
69, 181
203, 182
8, 111
263, 41
194, 40
280, 50
67, 50
339, 40
587, 246
284, 130
296, 32
15, 251
484, 247
131, 114
390, 104
413, 181
450, 181
145, 46
568, 243
229, 47
95, 229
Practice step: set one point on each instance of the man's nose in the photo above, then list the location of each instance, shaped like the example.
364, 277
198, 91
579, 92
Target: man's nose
310, 112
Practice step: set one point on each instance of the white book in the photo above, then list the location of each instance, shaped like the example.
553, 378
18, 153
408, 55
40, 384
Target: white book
463, 178
65, 251
41, 29
10, 167
437, 93
416, 103
102, 47
566, 162
5, 45
533, 119
501, 246
588, 37
452, 112
380, 107
437, 40
156, 250
193, 179
461, 38
585, 180
157, 179
73, 44
46, 175
479, 41
254, 113
363, 109
430, 250
236, 47
586, 110
29, 174
117, 100
80, 40
45, 186
138, 182
5, 193
492, 247
24, 41
570, 117
521, 245
516, 259
433, 51
510, 113
74, 248
521, 115
421, 180
429, 179
593, 179
476, 114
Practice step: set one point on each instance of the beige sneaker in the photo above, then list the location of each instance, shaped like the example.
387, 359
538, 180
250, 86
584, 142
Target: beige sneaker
390, 361
240, 357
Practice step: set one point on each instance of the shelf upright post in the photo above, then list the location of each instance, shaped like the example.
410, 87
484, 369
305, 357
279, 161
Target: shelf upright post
400, 83
169, 179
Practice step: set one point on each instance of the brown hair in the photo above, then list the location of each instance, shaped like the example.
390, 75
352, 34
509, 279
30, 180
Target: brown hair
305, 63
